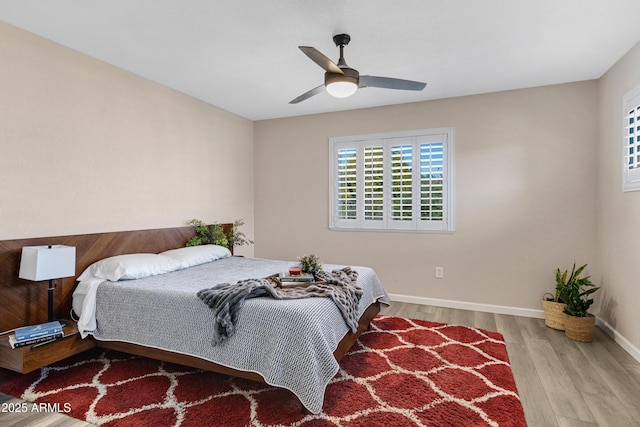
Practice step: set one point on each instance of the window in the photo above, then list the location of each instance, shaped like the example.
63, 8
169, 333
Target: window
392, 181
631, 141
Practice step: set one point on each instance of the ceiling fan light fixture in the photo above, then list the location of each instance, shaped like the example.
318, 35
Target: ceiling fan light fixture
341, 89
341, 85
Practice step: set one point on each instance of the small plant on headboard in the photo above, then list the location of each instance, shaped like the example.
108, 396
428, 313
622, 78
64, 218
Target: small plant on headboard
207, 234
214, 234
237, 237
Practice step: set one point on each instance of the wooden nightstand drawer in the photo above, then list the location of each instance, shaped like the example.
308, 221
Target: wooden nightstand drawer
29, 358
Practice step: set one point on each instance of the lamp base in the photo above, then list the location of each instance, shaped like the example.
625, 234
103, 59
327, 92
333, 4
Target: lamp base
50, 301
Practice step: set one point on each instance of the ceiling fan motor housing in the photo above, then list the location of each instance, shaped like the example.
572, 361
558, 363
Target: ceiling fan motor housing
350, 75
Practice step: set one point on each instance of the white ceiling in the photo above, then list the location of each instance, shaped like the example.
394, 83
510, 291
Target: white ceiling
242, 55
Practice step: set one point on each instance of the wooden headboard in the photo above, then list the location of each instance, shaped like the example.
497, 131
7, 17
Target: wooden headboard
23, 302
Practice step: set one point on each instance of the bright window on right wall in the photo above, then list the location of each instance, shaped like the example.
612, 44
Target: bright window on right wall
631, 141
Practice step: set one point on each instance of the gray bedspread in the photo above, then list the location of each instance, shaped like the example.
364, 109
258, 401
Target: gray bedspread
289, 342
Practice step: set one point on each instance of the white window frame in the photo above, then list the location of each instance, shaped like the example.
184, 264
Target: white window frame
631, 141
387, 140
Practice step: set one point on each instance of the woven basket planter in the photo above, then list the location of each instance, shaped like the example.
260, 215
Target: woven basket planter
579, 328
553, 314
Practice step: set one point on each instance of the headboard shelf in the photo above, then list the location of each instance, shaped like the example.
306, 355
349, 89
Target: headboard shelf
23, 302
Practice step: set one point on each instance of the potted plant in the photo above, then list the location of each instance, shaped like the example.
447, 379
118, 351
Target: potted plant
310, 264
553, 304
578, 322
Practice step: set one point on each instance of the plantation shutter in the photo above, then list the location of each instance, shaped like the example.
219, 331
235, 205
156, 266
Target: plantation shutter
401, 186
402, 182
346, 184
434, 182
373, 186
631, 142
431, 181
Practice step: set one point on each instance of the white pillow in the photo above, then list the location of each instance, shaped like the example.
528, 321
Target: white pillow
130, 266
196, 255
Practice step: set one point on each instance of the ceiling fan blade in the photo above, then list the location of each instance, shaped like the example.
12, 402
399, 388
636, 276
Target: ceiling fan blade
309, 94
390, 83
321, 59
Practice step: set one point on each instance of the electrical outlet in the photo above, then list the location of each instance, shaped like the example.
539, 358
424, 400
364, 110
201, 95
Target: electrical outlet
439, 272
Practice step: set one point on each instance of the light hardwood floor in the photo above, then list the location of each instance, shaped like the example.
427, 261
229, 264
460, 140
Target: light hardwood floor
561, 382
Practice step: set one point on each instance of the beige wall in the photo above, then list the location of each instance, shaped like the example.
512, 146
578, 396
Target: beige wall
618, 212
87, 147
524, 199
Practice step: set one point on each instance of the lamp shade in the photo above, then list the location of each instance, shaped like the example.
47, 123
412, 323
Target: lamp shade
47, 262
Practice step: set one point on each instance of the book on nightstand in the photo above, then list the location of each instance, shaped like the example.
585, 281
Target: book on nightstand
36, 331
38, 340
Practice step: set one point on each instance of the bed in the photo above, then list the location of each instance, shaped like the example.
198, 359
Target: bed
154, 311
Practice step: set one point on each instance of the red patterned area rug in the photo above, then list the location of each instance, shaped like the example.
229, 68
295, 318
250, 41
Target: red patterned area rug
400, 373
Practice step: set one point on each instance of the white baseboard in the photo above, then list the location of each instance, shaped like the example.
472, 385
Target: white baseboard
514, 311
619, 338
487, 308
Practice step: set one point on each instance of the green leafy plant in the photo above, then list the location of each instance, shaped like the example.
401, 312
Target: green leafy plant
563, 281
310, 263
207, 234
237, 237
214, 234
575, 291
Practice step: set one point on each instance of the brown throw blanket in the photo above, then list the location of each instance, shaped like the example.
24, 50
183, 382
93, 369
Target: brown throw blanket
226, 299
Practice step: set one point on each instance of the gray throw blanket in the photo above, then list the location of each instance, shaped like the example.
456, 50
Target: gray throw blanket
226, 299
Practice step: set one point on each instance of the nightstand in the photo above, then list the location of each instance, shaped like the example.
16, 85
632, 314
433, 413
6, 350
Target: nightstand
31, 357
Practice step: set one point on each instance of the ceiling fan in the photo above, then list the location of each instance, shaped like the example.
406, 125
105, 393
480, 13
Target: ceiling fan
342, 81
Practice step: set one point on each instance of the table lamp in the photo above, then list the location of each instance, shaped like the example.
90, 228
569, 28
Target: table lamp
48, 262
